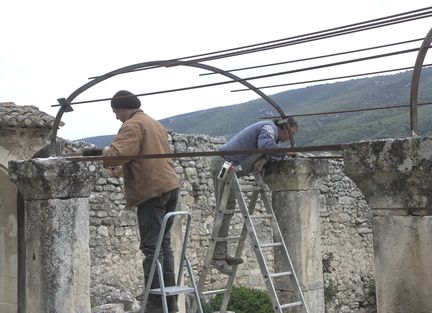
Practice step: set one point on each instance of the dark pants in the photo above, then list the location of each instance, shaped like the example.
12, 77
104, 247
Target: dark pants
150, 216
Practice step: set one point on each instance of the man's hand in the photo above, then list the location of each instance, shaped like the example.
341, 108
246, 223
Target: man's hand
259, 164
116, 171
92, 152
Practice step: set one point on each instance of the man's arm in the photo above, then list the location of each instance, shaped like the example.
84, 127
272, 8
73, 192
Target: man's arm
267, 139
127, 142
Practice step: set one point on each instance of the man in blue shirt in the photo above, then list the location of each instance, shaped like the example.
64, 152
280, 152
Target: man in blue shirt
264, 134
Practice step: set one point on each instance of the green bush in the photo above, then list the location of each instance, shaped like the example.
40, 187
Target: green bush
205, 305
207, 308
330, 291
244, 300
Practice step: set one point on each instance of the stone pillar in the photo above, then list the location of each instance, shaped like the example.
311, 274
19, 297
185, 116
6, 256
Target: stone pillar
56, 233
395, 177
295, 197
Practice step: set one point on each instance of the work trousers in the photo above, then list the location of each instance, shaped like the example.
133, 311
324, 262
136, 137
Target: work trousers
150, 216
246, 167
216, 163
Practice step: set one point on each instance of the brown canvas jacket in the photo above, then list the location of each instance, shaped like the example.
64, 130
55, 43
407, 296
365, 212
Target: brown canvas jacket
143, 178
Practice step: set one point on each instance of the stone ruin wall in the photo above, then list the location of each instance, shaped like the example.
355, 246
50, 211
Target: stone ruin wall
347, 249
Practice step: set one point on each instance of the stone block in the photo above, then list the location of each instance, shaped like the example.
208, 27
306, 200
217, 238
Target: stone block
57, 256
392, 173
39, 179
298, 216
295, 174
403, 254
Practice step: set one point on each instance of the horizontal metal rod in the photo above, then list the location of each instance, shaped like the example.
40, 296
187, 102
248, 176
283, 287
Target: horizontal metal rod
317, 35
348, 111
320, 37
256, 77
208, 153
331, 78
318, 57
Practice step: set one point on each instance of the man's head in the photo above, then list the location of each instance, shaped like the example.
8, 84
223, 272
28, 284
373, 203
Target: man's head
123, 103
286, 126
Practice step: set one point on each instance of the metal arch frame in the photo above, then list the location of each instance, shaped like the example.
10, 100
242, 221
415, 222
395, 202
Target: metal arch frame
415, 82
65, 103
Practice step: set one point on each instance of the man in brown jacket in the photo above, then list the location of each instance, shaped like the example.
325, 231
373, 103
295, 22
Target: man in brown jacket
151, 185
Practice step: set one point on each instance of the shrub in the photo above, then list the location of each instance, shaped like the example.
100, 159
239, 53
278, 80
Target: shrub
330, 291
245, 300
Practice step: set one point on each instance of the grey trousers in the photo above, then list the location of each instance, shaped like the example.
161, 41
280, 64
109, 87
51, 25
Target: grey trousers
216, 163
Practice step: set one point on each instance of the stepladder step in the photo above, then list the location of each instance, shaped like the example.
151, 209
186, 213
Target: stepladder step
232, 238
271, 245
172, 290
281, 274
290, 305
213, 292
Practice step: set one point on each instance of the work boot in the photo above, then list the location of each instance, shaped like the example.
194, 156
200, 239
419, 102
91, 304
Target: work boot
230, 260
222, 266
172, 304
154, 305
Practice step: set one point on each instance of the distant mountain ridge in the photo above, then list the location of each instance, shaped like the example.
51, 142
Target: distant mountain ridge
99, 141
377, 91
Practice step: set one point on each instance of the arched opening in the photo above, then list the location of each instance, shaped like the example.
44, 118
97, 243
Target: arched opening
8, 244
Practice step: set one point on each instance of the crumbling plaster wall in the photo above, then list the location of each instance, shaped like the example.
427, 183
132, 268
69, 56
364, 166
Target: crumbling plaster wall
345, 228
24, 142
8, 245
15, 143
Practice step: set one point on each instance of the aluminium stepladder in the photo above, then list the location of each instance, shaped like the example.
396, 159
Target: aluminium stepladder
247, 212
157, 266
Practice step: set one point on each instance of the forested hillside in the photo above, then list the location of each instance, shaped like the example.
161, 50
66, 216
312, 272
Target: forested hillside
371, 92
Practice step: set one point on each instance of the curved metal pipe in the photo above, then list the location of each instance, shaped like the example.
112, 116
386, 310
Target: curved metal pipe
415, 82
64, 108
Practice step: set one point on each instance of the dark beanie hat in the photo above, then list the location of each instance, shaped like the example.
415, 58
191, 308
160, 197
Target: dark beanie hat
124, 99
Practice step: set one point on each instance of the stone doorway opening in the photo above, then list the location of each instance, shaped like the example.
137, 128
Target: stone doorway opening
8, 244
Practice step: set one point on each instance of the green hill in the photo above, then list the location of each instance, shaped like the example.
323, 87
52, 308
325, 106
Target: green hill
322, 129
325, 129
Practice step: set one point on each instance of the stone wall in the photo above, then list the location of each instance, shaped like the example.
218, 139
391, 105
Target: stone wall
15, 143
347, 246
345, 227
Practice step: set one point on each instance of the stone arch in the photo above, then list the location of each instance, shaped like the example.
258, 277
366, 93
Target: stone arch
8, 237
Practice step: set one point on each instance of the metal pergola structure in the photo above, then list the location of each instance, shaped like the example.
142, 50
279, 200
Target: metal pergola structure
196, 62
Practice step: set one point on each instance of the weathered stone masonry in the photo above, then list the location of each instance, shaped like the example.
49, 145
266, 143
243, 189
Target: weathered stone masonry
57, 238
116, 271
395, 177
24, 130
345, 231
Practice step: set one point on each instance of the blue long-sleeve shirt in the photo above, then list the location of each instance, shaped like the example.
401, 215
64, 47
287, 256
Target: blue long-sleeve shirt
262, 134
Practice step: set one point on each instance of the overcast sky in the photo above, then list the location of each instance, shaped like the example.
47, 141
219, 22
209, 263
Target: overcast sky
48, 49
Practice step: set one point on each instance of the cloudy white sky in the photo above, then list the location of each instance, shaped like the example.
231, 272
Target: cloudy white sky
50, 48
